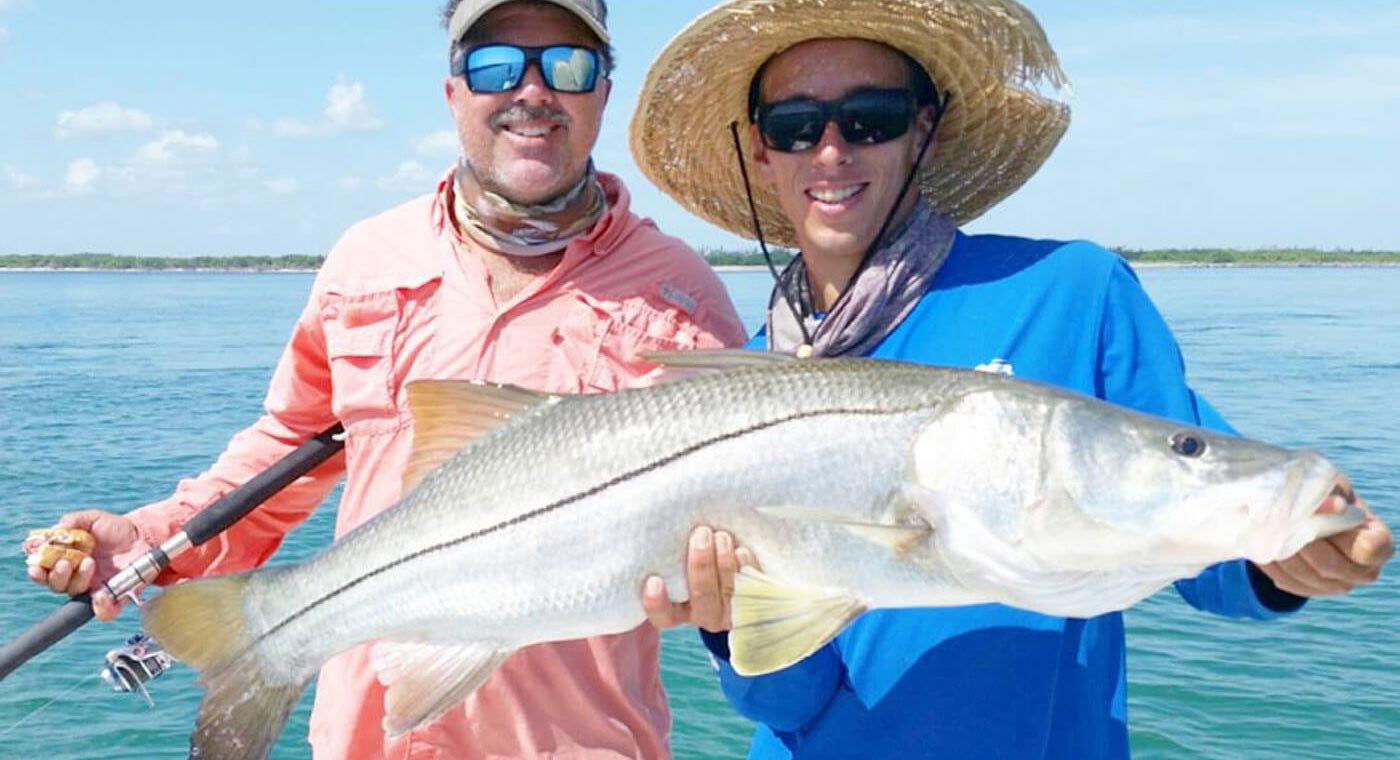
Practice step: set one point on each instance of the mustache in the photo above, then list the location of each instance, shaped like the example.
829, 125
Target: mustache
517, 112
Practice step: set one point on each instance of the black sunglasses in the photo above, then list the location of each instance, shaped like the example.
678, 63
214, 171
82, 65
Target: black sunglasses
865, 117
500, 68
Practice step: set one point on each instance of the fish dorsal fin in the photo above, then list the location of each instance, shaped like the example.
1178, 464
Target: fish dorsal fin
426, 680
777, 624
715, 361
449, 414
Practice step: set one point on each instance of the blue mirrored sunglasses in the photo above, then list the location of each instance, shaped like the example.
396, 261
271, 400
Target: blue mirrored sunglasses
500, 68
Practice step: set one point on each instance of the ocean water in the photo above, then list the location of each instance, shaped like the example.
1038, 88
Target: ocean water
114, 385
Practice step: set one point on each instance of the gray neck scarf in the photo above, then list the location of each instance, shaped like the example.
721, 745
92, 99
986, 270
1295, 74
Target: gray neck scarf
882, 293
521, 230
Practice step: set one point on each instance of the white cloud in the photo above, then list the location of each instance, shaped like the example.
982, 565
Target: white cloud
281, 185
102, 118
16, 179
176, 162
82, 176
346, 111
410, 177
350, 184
346, 107
441, 143
174, 145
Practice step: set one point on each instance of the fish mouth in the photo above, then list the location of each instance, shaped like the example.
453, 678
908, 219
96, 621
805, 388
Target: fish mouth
1322, 506
1348, 515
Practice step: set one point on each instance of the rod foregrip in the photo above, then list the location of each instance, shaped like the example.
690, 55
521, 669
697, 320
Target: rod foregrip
217, 517
66, 619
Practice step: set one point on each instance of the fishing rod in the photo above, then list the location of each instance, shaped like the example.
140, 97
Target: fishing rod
131, 671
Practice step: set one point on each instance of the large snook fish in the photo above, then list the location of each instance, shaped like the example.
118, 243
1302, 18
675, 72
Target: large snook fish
858, 484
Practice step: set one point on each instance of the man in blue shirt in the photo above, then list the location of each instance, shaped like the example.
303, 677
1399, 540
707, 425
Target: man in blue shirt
875, 129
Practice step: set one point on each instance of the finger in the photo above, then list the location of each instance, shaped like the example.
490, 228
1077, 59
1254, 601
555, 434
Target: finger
1337, 501
1331, 564
82, 577
702, 576
1371, 544
105, 607
84, 519
1305, 581
1334, 504
60, 575
38, 574
726, 565
655, 603
746, 558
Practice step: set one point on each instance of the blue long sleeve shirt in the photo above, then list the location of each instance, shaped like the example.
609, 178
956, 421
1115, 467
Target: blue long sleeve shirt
990, 681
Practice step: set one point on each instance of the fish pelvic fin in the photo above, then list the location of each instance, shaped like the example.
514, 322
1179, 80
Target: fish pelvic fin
777, 624
449, 414
426, 680
245, 706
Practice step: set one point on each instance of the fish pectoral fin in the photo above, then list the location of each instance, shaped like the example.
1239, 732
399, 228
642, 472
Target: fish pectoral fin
778, 624
425, 680
449, 414
899, 536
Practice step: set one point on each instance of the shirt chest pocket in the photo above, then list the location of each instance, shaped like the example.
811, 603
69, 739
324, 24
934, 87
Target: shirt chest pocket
360, 332
607, 340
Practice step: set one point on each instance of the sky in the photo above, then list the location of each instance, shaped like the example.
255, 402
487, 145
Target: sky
267, 128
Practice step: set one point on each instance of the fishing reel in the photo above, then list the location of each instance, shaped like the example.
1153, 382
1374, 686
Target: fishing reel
130, 666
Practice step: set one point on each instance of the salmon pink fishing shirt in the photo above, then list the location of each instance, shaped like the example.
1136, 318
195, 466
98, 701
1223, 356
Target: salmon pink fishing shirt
403, 297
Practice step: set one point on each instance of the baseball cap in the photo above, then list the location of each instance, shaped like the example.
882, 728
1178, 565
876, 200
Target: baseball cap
591, 12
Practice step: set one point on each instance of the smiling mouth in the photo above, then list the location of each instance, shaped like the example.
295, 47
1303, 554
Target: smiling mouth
531, 130
835, 195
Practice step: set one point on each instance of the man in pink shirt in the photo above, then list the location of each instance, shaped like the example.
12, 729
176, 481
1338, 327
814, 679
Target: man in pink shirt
526, 266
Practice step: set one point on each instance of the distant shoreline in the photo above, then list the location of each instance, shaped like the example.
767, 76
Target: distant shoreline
720, 261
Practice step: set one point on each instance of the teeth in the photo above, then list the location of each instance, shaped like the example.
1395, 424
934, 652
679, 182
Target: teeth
531, 131
834, 196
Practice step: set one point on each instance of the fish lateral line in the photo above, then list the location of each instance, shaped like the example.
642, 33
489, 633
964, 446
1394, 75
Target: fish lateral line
575, 498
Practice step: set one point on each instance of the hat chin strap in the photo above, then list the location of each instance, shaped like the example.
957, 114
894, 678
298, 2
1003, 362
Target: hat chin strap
799, 310
805, 350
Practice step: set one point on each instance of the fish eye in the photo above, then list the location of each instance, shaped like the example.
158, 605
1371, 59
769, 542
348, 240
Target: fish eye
1188, 444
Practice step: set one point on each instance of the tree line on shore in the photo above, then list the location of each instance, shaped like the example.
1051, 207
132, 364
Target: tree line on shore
112, 262
108, 261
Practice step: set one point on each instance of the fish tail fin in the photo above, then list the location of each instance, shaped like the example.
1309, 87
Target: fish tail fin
246, 703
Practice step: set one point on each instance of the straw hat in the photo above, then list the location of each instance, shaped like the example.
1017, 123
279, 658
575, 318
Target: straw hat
1007, 109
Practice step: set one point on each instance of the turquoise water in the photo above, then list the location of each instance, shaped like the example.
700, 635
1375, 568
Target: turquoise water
113, 386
